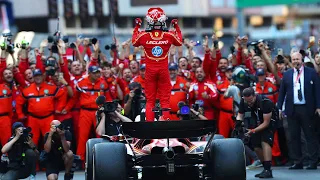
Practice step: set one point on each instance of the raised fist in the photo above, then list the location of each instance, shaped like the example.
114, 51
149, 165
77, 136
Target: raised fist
174, 22
138, 22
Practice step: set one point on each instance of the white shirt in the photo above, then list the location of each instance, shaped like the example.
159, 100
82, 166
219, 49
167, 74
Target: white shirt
296, 86
173, 83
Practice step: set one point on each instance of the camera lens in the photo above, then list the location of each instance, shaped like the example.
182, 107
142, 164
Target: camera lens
94, 40
72, 45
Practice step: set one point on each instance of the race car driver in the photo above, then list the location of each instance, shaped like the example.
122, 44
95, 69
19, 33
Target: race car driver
157, 41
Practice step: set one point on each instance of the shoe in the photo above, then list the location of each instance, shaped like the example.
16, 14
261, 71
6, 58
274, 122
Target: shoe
258, 175
312, 166
254, 165
32, 177
266, 174
296, 166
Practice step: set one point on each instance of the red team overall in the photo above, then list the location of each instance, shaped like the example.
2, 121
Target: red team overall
157, 41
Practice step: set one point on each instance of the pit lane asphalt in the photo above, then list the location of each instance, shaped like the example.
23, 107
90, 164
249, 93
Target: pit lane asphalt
279, 173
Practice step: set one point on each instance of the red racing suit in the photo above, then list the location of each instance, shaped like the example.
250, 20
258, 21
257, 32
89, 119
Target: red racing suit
156, 47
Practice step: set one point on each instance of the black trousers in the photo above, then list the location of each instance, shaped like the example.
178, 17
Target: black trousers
301, 119
25, 171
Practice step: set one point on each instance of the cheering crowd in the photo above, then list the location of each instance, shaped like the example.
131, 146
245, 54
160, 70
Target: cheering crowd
63, 86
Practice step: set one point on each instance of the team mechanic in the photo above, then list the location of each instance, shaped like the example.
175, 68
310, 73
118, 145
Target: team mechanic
157, 40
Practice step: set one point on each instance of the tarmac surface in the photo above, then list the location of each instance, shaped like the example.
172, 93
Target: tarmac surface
279, 173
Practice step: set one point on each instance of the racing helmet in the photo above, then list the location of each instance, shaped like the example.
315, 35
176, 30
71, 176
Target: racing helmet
156, 19
239, 75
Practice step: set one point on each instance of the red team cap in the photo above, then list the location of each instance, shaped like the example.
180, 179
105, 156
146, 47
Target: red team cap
156, 15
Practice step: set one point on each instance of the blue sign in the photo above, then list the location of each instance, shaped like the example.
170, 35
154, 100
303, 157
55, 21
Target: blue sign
157, 51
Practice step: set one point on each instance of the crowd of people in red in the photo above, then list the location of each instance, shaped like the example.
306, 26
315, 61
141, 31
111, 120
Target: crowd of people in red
57, 87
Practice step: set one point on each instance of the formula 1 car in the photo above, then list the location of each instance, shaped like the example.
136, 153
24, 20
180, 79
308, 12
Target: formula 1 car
163, 150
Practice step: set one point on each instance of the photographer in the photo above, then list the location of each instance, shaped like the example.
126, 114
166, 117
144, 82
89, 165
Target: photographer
109, 122
132, 101
22, 154
257, 112
57, 153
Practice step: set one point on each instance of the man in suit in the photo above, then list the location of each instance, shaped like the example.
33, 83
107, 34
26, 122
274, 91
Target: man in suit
300, 88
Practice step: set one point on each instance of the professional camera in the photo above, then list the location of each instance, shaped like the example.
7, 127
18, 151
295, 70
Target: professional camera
106, 107
195, 107
255, 45
61, 127
137, 89
184, 110
7, 44
232, 49
111, 47
26, 133
137, 92
93, 41
52, 70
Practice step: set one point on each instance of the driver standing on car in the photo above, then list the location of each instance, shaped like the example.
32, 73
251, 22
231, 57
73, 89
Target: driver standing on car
256, 112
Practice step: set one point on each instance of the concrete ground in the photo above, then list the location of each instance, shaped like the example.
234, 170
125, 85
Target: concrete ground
279, 173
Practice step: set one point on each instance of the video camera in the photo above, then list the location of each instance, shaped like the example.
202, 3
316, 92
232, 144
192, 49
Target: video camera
240, 131
111, 47
7, 44
54, 39
106, 107
255, 45
91, 41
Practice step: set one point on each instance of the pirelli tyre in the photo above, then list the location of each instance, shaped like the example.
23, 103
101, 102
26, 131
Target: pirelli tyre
110, 161
89, 156
228, 159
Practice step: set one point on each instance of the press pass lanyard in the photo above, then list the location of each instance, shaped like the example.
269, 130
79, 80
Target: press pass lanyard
258, 119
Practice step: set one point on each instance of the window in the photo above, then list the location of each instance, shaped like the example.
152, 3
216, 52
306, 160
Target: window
207, 22
121, 22
217, 3
231, 3
71, 22
87, 23
189, 22
103, 22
